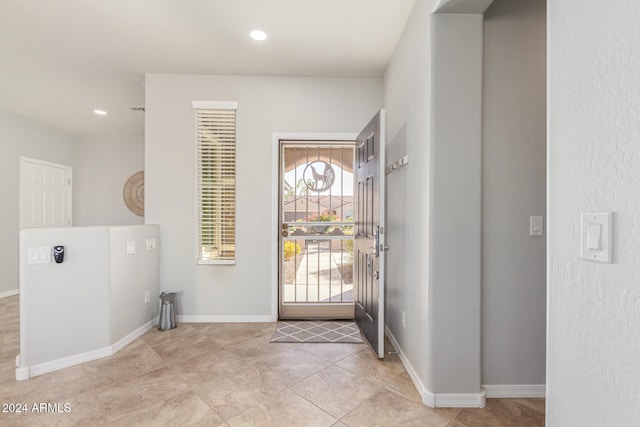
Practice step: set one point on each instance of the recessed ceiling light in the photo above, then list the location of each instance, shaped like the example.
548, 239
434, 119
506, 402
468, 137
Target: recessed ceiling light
258, 35
100, 112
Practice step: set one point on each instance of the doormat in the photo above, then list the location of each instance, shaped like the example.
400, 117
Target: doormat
317, 331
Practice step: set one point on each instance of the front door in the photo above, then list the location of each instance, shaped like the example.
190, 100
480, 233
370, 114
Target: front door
369, 244
316, 230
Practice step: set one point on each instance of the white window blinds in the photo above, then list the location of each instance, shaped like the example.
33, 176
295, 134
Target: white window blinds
216, 140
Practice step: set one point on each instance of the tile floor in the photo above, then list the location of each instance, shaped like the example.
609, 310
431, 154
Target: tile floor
230, 375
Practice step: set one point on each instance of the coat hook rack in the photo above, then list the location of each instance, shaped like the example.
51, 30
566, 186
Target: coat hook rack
397, 165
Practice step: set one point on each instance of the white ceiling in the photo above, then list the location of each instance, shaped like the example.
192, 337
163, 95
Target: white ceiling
61, 59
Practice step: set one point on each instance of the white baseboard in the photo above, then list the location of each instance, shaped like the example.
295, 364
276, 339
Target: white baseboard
224, 319
120, 344
10, 293
460, 400
67, 362
427, 397
437, 400
515, 390
26, 372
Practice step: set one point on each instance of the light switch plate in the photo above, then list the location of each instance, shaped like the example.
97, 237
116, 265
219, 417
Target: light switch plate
596, 243
41, 255
151, 244
131, 247
536, 227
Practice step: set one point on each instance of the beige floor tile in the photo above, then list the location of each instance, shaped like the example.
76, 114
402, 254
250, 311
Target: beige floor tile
365, 363
182, 410
258, 346
133, 360
229, 374
185, 348
290, 366
335, 390
537, 404
388, 409
136, 393
80, 409
230, 387
155, 337
403, 386
332, 352
204, 364
501, 412
7, 369
285, 410
51, 387
227, 334
10, 326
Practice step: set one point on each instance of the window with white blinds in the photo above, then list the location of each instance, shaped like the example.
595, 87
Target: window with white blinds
216, 192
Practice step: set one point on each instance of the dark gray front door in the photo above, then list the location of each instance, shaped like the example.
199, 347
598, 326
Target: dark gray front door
369, 233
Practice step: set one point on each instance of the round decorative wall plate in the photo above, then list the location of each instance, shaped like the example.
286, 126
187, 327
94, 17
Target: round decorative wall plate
133, 193
319, 176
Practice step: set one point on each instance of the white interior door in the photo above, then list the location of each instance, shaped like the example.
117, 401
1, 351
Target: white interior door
45, 194
369, 245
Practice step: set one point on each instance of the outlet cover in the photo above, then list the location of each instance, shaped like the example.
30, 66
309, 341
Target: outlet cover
151, 244
131, 247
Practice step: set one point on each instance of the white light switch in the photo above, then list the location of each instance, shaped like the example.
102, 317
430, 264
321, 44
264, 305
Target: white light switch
594, 237
597, 237
535, 226
131, 247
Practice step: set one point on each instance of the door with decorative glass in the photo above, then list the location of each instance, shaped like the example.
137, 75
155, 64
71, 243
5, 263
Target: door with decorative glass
316, 230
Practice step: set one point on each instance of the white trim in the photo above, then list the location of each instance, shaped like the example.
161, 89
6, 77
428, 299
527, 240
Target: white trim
437, 400
462, 6
275, 184
516, 390
66, 362
460, 400
120, 344
225, 319
215, 105
428, 398
26, 372
216, 262
21, 373
10, 293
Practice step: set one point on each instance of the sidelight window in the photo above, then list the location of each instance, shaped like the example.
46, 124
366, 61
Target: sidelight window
216, 181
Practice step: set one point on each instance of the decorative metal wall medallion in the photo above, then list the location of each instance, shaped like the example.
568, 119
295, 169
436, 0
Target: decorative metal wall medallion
133, 193
319, 176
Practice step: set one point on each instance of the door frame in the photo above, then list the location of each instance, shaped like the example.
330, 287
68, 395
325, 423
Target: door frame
69, 169
275, 197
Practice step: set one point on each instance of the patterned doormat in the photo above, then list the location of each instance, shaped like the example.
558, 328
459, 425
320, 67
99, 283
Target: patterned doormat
317, 331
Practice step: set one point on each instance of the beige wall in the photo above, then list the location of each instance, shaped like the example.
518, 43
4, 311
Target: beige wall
23, 137
593, 368
103, 166
265, 105
513, 188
